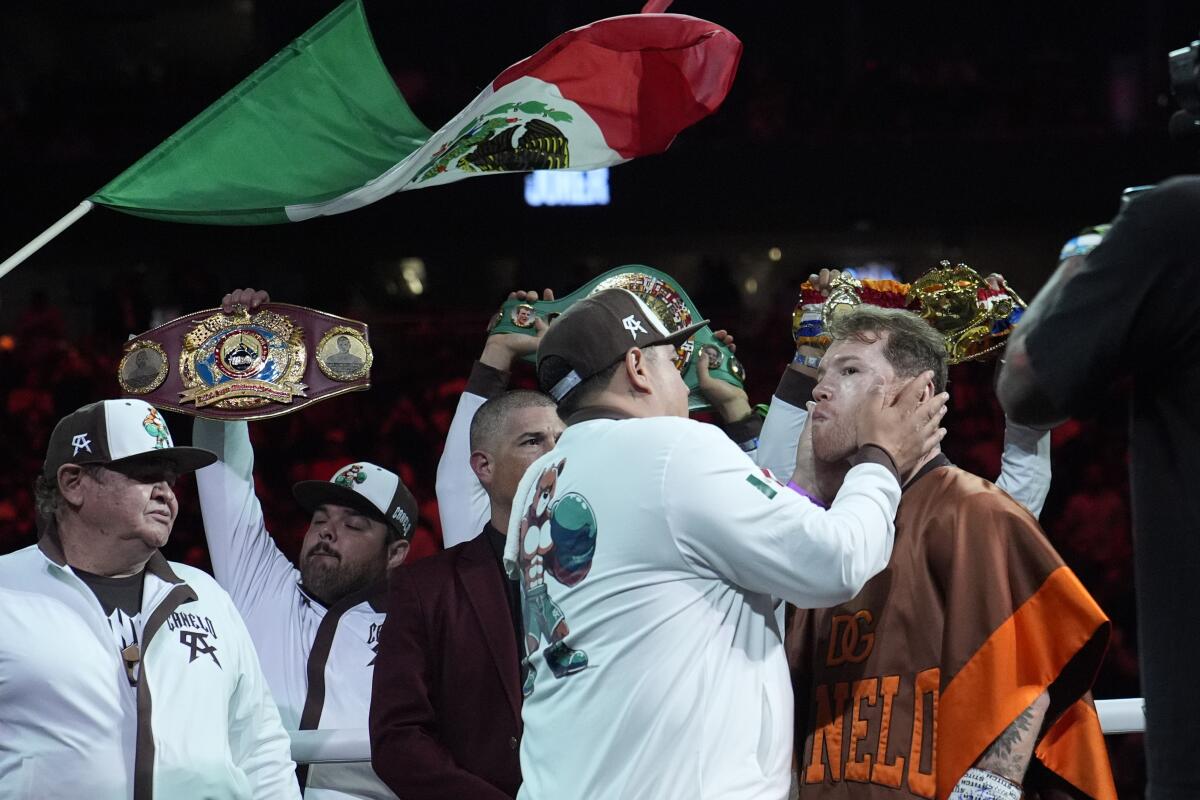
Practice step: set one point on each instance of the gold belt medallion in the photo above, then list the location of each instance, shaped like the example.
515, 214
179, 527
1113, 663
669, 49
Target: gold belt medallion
240, 362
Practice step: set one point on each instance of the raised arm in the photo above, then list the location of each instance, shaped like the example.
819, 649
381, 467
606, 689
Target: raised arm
731, 403
462, 502
789, 405
785, 421
246, 561
1025, 465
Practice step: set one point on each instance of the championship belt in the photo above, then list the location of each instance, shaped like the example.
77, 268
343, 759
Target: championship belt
664, 296
247, 365
973, 318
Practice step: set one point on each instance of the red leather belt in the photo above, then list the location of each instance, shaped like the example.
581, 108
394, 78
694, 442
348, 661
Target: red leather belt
247, 365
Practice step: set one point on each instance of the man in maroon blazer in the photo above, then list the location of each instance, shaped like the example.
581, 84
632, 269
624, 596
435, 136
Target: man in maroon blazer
446, 701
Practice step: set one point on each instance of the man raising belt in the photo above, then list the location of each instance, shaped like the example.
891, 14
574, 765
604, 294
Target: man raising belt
316, 624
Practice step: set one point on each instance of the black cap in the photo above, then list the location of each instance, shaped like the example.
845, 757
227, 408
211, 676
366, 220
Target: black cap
596, 333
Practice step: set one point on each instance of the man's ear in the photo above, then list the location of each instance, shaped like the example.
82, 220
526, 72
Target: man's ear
483, 466
635, 370
892, 390
928, 392
70, 483
397, 551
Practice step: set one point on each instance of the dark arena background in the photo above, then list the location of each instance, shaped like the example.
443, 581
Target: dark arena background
857, 134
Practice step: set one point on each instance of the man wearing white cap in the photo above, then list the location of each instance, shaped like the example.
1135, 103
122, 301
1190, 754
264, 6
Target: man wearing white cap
315, 624
123, 674
652, 552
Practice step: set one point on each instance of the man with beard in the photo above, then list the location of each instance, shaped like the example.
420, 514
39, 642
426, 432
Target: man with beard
315, 626
963, 669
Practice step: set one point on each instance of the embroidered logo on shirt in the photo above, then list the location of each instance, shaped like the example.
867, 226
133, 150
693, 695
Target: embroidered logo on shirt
851, 638
81, 442
198, 643
196, 640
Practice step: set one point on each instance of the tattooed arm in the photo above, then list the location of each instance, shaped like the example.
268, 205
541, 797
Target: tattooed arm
1009, 755
1000, 771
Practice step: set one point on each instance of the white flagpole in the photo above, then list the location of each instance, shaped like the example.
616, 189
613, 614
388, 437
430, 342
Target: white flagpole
54, 230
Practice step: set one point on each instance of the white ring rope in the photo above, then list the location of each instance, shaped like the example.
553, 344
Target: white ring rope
338, 746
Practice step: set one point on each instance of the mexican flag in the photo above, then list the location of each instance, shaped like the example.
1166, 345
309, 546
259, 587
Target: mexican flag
322, 129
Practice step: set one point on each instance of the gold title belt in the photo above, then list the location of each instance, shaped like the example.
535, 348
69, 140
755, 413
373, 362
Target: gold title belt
974, 317
247, 365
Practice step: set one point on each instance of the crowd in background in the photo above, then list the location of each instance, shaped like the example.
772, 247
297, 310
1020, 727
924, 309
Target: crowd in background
1027, 118
401, 423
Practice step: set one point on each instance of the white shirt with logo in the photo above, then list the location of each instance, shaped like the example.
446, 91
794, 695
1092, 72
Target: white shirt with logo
463, 504
69, 714
283, 620
662, 548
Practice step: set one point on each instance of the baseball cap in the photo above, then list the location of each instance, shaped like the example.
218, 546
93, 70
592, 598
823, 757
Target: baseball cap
368, 489
596, 333
117, 432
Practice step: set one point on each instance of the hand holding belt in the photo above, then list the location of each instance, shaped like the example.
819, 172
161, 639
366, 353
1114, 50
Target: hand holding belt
243, 365
974, 318
664, 296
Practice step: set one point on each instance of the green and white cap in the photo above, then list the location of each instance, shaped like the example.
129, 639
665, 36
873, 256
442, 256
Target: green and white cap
369, 489
117, 432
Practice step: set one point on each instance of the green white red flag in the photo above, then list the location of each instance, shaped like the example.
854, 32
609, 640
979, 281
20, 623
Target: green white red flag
322, 129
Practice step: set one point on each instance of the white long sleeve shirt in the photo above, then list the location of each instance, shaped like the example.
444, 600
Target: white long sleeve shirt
463, 504
686, 693
199, 723
318, 662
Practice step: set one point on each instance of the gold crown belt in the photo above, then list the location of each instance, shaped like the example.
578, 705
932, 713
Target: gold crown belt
973, 316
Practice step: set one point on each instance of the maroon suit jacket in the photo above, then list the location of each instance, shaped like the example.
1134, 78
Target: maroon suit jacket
446, 699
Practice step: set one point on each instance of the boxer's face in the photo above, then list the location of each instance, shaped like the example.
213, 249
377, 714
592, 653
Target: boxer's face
848, 371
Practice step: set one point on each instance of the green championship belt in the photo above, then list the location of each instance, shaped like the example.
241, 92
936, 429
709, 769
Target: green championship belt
665, 298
